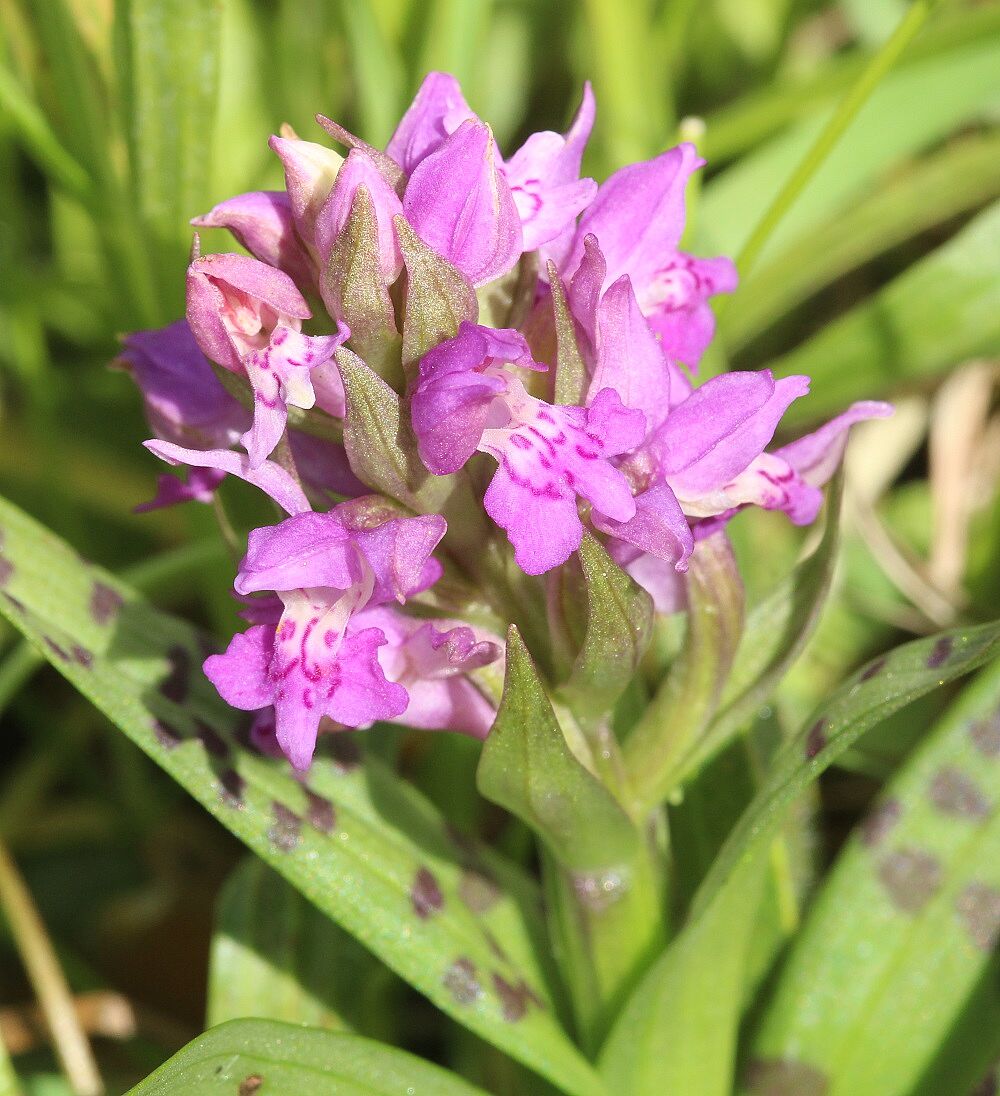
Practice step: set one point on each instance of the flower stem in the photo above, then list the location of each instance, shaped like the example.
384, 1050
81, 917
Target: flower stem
842, 117
48, 980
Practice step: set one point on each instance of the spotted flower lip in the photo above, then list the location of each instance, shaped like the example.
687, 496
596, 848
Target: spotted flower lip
320, 659
468, 398
247, 317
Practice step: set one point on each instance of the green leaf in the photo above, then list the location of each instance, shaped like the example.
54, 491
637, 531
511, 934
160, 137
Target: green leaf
438, 297
247, 1057
953, 90
941, 311
618, 624
364, 847
604, 894
882, 687
9, 1085
378, 70
528, 767
679, 712
677, 1032
960, 177
913, 902
275, 956
774, 634
571, 373
170, 55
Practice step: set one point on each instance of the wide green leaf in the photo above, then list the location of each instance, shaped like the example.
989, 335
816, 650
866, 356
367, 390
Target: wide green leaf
251, 1057
528, 767
677, 1032
170, 53
454, 920
276, 957
913, 902
941, 311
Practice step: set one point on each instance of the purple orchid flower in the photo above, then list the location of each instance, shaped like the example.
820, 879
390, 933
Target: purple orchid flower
184, 400
460, 204
467, 398
262, 222
247, 317
319, 660
637, 217
310, 172
432, 662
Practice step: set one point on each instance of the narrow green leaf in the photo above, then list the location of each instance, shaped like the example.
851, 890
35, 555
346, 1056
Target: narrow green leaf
365, 848
913, 902
953, 89
35, 133
9, 1084
528, 767
247, 1057
961, 177
378, 70
748, 121
618, 624
438, 297
276, 957
774, 634
679, 712
171, 58
941, 311
882, 687
571, 373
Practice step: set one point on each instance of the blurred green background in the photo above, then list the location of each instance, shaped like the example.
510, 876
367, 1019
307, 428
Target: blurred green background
119, 121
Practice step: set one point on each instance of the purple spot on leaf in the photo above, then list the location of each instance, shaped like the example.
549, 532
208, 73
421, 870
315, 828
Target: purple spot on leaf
979, 908
320, 812
953, 792
231, 788
175, 686
940, 653
785, 1077
985, 735
104, 603
213, 742
425, 894
816, 738
83, 657
59, 652
167, 736
870, 671
461, 982
879, 821
250, 1085
286, 829
912, 878
513, 999
6, 570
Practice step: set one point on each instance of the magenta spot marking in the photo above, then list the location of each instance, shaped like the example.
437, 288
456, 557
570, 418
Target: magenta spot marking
425, 894
942, 649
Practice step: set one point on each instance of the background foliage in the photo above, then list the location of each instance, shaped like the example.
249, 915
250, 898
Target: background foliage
119, 121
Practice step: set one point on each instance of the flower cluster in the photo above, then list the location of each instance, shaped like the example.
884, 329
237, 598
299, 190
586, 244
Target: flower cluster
535, 336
